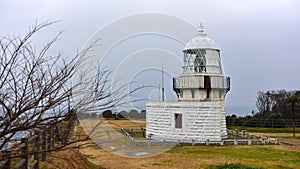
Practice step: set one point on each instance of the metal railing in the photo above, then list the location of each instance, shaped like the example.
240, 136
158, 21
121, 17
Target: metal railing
197, 82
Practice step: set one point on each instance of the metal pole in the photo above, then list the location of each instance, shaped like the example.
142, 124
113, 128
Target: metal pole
159, 92
162, 83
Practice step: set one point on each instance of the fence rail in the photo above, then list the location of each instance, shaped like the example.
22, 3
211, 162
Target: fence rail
268, 123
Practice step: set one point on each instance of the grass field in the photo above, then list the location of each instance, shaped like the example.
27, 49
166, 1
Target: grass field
210, 157
255, 156
263, 156
283, 133
266, 130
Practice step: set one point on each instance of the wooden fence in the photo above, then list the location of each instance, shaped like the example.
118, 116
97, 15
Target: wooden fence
46, 139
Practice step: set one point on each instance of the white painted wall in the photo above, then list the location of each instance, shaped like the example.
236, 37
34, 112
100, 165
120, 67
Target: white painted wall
201, 121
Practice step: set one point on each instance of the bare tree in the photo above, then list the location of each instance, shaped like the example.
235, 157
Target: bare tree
293, 102
263, 102
37, 88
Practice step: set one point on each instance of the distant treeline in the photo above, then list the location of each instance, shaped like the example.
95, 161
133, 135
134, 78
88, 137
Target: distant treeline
276, 108
132, 114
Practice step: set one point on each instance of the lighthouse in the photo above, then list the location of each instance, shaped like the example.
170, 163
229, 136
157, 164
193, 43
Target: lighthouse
199, 113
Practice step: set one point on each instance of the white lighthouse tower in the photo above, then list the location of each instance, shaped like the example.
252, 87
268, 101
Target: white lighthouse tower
199, 113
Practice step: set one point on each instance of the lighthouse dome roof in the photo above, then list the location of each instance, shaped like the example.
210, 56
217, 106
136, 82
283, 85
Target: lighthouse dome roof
200, 41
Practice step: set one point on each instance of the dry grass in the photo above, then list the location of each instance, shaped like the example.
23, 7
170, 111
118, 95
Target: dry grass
69, 159
266, 156
91, 156
201, 157
135, 124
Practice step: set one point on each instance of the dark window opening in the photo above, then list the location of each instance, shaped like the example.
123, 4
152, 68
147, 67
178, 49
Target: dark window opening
193, 93
207, 85
178, 120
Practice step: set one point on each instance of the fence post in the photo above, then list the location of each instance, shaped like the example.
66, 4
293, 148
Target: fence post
207, 142
249, 141
235, 142
48, 137
67, 130
43, 143
244, 133
24, 152
52, 136
237, 132
7, 155
36, 150
262, 140
268, 140
276, 141
56, 134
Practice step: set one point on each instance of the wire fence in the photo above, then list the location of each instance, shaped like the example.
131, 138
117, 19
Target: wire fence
269, 123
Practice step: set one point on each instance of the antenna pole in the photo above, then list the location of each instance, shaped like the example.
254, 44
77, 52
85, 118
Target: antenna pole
159, 92
162, 84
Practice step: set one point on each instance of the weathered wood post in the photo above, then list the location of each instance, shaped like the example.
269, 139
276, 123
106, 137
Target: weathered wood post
52, 136
48, 138
57, 134
43, 143
36, 155
7, 155
24, 153
75, 130
67, 130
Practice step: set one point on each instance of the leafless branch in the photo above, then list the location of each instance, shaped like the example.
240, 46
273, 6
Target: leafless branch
38, 88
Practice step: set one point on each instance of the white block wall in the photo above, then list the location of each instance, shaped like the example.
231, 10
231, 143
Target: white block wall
200, 121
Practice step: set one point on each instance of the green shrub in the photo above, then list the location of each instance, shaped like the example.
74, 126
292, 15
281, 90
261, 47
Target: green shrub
232, 166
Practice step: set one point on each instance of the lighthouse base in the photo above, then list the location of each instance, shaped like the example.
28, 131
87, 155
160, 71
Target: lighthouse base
187, 122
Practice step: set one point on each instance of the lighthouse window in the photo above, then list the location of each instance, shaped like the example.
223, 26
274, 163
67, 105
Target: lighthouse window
178, 120
200, 61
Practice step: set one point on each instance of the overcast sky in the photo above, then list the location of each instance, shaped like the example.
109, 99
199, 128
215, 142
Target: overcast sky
259, 39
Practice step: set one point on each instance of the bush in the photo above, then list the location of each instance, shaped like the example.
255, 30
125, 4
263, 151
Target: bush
107, 114
232, 166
